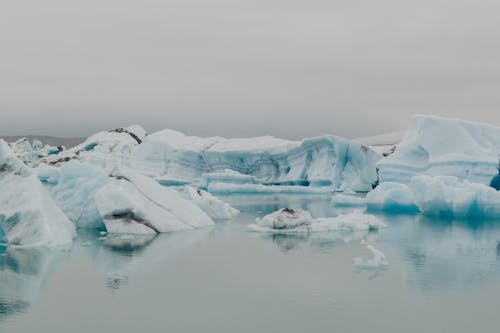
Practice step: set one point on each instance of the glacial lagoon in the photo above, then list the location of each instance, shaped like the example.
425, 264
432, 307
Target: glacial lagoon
442, 276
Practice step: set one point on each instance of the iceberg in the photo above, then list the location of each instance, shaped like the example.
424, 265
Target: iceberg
437, 146
132, 203
391, 197
30, 153
215, 208
438, 196
28, 215
103, 148
73, 187
289, 220
171, 156
347, 200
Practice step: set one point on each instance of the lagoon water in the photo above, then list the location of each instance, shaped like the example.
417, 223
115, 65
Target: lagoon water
443, 276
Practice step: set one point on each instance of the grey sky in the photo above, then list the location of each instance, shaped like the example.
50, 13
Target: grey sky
289, 68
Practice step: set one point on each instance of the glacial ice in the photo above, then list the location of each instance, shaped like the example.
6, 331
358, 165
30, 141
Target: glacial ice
437, 146
439, 196
214, 207
32, 152
103, 148
133, 203
291, 220
391, 197
170, 156
28, 215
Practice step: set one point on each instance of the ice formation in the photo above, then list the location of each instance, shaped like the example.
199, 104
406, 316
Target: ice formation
440, 195
445, 147
347, 200
391, 197
290, 220
215, 208
28, 215
323, 161
32, 152
136, 204
113, 147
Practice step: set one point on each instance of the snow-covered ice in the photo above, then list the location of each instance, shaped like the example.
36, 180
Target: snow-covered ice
28, 215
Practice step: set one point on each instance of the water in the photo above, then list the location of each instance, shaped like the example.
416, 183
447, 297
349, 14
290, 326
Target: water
443, 276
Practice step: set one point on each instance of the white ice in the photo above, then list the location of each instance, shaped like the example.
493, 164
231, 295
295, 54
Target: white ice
133, 203
28, 215
214, 207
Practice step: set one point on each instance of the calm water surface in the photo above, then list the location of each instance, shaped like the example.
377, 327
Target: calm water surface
443, 276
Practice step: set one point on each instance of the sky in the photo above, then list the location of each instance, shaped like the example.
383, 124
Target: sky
239, 68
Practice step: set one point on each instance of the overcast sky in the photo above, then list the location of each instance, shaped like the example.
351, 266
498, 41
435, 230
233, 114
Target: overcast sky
288, 68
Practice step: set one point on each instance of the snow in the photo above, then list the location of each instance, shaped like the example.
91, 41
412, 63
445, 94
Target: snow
437, 146
215, 208
28, 215
289, 220
133, 203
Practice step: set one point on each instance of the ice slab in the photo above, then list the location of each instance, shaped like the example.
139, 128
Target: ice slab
28, 215
290, 220
133, 203
437, 146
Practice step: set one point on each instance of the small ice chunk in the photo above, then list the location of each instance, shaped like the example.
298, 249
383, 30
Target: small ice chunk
214, 207
378, 260
344, 200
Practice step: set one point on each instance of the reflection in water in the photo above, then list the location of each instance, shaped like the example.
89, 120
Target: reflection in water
23, 272
443, 253
119, 257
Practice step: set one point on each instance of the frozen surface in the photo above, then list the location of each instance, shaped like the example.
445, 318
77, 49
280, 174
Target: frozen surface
136, 204
290, 220
444, 147
28, 215
347, 200
214, 207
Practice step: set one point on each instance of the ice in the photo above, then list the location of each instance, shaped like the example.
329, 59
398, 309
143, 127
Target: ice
347, 200
286, 218
113, 147
73, 187
444, 147
28, 215
290, 220
214, 207
32, 152
133, 203
440, 195
323, 161
391, 197
377, 261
